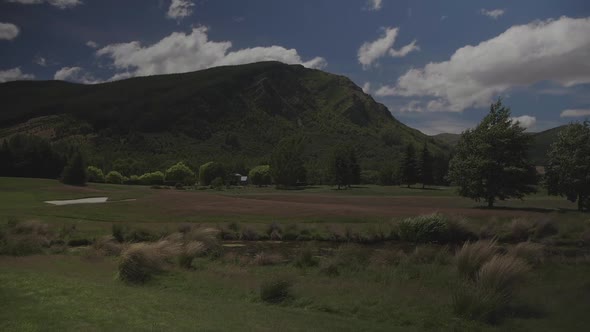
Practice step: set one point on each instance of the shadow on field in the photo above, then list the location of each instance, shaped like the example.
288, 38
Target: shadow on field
524, 209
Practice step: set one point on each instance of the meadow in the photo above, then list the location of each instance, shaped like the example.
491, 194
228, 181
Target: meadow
267, 259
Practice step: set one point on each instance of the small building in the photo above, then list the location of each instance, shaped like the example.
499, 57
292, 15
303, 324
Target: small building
239, 180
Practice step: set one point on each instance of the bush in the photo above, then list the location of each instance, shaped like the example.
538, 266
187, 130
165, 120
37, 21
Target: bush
180, 173
95, 174
424, 229
209, 171
260, 175
305, 258
114, 177
152, 179
472, 256
217, 183
141, 260
276, 290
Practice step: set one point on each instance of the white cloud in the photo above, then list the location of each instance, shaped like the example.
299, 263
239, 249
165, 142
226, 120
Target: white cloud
75, 74
14, 74
181, 52
92, 44
180, 9
370, 52
41, 61
61, 4
375, 4
8, 31
573, 113
493, 13
439, 126
367, 87
444, 17
525, 121
552, 50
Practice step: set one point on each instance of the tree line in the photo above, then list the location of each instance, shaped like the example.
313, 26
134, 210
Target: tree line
489, 163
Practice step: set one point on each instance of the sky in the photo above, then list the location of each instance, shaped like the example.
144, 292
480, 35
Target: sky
437, 65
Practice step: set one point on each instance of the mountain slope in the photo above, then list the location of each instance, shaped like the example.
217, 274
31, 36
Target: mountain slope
225, 113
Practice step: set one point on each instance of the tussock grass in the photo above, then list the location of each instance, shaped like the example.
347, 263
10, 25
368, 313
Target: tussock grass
276, 290
531, 252
264, 259
424, 229
477, 303
473, 255
521, 229
140, 261
502, 274
189, 252
108, 246
25, 238
305, 258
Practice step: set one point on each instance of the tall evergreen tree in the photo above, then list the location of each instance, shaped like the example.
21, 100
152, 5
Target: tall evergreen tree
425, 167
568, 171
491, 161
409, 167
286, 163
75, 171
344, 169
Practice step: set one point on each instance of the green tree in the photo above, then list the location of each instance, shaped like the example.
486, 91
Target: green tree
425, 167
75, 171
180, 173
409, 167
260, 175
388, 174
95, 174
114, 177
153, 178
344, 169
490, 161
568, 170
286, 163
210, 171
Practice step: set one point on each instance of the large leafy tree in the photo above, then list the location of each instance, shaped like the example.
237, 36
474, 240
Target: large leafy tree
409, 166
490, 162
425, 167
286, 163
568, 171
180, 173
344, 168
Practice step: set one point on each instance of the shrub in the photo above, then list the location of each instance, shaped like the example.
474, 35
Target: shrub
529, 251
276, 290
217, 183
95, 174
180, 173
114, 177
264, 259
472, 256
209, 171
152, 179
305, 258
260, 175
424, 229
141, 260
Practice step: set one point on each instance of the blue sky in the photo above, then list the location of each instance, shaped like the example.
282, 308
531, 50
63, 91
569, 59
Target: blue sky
435, 64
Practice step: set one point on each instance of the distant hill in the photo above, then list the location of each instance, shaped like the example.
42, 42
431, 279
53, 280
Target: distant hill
539, 147
232, 113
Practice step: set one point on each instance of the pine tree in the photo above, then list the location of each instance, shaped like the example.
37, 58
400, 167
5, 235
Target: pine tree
425, 167
409, 169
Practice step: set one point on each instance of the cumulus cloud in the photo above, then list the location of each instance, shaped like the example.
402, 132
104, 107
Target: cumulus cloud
180, 9
92, 44
493, 13
183, 52
75, 74
574, 113
367, 87
14, 74
8, 31
551, 50
374, 4
370, 52
525, 121
61, 4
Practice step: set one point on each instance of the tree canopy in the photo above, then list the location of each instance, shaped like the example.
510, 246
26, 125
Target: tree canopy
490, 161
180, 173
568, 171
75, 171
425, 167
409, 166
344, 169
286, 162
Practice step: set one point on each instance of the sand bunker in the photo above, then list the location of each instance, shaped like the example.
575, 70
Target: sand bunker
91, 200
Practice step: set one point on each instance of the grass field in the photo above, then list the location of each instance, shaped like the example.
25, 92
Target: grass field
390, 285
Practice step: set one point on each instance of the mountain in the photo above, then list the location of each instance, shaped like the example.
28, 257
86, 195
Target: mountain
230, 113
539, 146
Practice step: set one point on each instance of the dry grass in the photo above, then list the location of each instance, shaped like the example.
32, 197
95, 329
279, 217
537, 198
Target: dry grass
108, 246
502, 274
473, 255
521, 229
189, 252
388, 257
531, 252
25, 238
141, 260
264, 259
